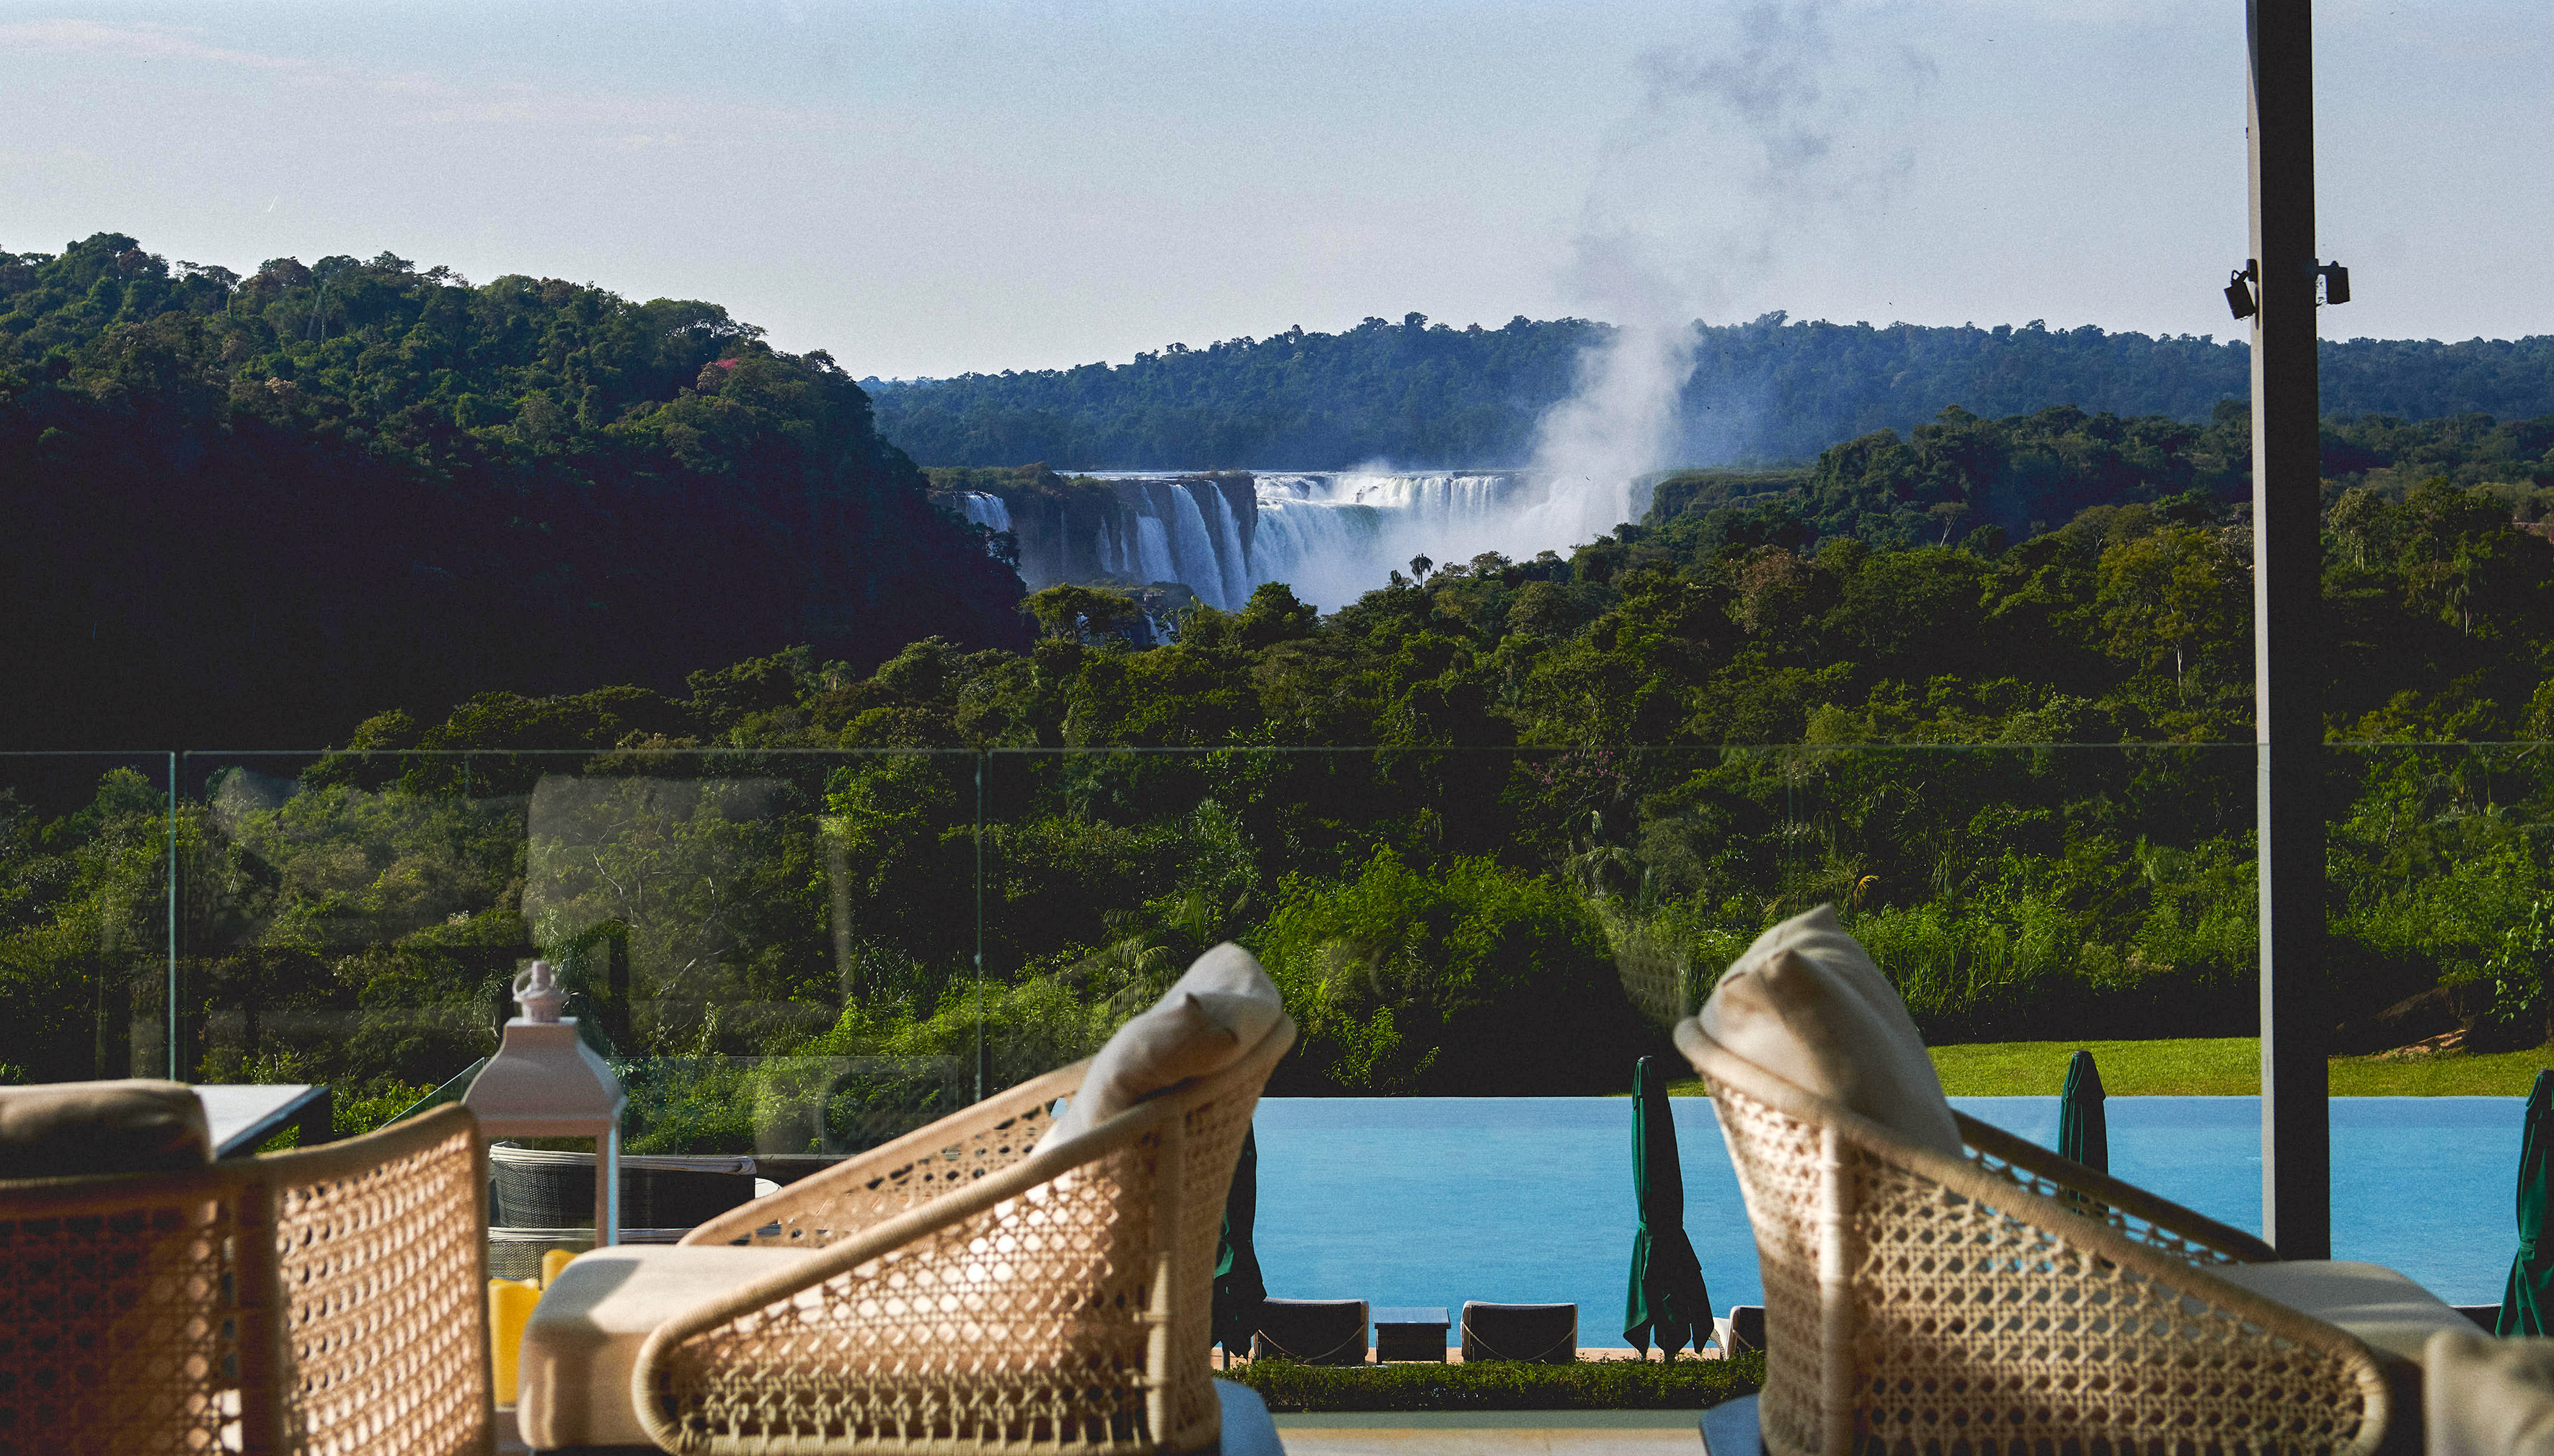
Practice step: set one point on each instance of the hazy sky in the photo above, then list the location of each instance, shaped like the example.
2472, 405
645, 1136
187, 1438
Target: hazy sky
928, 188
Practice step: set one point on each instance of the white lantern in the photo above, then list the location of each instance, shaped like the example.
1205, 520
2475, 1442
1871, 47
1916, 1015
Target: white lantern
546, 1082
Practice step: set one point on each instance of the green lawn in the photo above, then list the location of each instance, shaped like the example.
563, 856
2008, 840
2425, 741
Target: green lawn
2210, 1067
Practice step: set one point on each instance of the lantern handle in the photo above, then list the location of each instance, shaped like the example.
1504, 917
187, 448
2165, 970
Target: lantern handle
538, 992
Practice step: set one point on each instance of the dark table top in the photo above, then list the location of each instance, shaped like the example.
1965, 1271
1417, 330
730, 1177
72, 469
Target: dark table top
1412, 1314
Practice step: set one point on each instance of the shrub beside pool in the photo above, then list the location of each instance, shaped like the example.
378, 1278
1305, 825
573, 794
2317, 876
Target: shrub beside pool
1290, 1387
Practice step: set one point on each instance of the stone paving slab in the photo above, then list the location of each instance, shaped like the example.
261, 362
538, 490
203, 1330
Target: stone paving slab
1489, 1442
1493, 1433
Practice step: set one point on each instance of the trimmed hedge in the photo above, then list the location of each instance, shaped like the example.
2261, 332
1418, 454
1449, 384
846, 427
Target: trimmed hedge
1290, 1388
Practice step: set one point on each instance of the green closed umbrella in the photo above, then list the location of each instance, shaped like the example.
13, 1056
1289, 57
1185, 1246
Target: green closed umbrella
1668, 1300
1238, 1289
2530, 1295
2083, 1127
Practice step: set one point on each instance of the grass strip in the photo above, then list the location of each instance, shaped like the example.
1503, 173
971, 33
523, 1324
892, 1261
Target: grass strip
1294, 1389
2190, 1067
2210, 1067
2497, 1075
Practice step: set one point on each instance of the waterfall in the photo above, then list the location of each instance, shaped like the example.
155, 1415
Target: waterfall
1228, 554
1198, 565
1331, 537
1153, 551
1326, 550
1335, 537
986, 509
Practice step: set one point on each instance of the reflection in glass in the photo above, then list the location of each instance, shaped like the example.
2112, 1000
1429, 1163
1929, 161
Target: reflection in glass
83, 916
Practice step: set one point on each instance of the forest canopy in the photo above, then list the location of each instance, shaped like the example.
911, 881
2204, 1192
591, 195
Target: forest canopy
1418, 394
639, 649
1566, 792
244, 509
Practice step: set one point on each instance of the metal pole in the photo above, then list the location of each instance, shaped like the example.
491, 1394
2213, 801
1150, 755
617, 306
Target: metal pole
174, 887
2287, 586
982, 1066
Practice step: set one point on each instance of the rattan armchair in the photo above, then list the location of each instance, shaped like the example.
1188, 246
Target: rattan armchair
327, 1299
2013, 1302
966, 1292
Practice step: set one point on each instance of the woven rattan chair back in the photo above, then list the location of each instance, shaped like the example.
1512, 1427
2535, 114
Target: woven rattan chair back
331, 1299
969, 1294
2009, 1302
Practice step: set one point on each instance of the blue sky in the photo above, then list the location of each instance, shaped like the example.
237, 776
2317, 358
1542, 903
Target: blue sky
927, 188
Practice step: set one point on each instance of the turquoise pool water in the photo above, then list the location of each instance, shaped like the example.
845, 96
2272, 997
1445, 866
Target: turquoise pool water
1434, 1200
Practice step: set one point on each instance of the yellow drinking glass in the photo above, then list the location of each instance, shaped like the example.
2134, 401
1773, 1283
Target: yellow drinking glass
510, 1308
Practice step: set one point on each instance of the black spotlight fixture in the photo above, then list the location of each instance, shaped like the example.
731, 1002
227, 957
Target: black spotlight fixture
2335, 283
2239, 291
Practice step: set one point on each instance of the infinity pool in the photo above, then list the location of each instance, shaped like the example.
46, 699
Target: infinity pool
1434, 1200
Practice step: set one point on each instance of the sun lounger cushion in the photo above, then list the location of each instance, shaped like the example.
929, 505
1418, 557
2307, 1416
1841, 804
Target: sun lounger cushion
1314, 1331
81, 1129
584, 1336
582, 1342
1806, 1004
1546, 1334
2380, 1306
2482, 1397
1219, 1010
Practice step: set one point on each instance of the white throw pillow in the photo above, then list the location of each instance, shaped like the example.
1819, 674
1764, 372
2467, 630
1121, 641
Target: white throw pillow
2482, 1397
1220, 1009
1806, 1004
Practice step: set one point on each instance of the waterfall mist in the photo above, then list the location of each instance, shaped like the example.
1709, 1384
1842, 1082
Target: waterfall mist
1743, 144
1759, 147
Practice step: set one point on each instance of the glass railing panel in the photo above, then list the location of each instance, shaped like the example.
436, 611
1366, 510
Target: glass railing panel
1478, 944
2440, 944
83, 916
2016, 892
2441, 911
759, 942
785, 956
2026, 893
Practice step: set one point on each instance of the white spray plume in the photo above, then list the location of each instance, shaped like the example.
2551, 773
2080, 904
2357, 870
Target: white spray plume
1747, 126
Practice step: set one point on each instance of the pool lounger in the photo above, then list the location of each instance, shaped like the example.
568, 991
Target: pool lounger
1314, 1331
1539, 1334
1741, 1329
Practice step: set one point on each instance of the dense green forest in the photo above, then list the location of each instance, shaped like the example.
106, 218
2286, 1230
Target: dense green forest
243, 508
644, 651
1581, 784
2013, 476
1425, 394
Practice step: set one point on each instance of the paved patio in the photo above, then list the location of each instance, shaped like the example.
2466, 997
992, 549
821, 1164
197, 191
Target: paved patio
1486, 1433
1493, 1433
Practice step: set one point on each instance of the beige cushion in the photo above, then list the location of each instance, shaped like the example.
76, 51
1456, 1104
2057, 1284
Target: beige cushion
1219, 1010
1009, 1305
2380, 1306
71, 1129
582, 1343
1806, 1004
2482, 1397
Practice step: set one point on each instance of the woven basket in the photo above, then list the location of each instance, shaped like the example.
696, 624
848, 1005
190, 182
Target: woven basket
531, 1187
2013, 1301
